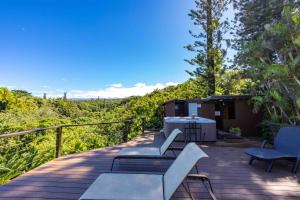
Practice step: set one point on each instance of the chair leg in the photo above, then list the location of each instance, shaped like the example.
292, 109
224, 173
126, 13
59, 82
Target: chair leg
296, 166
187, 189
269, 169
251, 160
196, 169
174, 153
203, 179
112, 165
209, 183
185, 139
210, 189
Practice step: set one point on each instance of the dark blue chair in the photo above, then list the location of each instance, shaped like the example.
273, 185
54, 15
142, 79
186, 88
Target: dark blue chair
286, 146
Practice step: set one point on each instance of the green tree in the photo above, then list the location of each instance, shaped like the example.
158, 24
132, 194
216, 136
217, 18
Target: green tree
233, 82
273, 62
250, 20
6, 98
21, 93
210, 30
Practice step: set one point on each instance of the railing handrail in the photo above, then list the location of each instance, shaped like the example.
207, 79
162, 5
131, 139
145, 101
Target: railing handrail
15, 134
122, 136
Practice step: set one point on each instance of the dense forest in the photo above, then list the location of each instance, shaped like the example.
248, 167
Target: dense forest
266, 37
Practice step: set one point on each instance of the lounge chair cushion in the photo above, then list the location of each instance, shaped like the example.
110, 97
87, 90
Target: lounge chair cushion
164, 147
150, 151
126, 186
180, 168
288, 140
267, 154
140, 151
286, 145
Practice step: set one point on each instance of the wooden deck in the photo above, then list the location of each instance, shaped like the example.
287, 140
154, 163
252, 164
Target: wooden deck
232, 178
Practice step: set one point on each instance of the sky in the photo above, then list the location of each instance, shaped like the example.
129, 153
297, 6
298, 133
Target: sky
93, 48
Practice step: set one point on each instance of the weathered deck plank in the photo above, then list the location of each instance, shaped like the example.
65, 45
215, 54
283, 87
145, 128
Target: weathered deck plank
232, 178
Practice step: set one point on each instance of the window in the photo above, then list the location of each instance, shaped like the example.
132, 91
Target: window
179, 109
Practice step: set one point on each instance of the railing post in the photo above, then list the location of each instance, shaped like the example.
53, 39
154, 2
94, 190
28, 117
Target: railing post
143, 124
58, 141
126, 130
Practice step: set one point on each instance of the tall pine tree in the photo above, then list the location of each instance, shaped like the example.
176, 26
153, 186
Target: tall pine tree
207, 18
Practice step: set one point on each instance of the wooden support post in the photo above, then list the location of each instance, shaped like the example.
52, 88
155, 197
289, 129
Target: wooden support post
143, 124
58, 142
126, 130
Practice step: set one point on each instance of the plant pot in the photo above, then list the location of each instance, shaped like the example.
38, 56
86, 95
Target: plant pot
236, 134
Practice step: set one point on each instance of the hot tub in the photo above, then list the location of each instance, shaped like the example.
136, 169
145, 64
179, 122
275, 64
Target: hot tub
208, 132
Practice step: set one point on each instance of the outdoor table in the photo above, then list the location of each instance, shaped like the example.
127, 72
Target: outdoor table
208, 127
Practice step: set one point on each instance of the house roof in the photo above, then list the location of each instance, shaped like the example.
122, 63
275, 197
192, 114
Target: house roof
173, 100
226, 97
213, 98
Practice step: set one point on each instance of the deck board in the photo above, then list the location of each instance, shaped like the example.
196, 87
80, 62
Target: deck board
232, 178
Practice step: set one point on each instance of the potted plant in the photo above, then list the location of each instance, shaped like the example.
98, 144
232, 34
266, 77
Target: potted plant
235, 131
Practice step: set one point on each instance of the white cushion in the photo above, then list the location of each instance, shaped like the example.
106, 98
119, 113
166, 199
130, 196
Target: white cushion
125, 186
169, 140
139, 151
180, 168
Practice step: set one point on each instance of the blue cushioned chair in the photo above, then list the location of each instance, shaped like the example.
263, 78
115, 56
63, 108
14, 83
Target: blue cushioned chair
286, 146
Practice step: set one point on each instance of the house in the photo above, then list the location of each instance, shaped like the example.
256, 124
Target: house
228, 111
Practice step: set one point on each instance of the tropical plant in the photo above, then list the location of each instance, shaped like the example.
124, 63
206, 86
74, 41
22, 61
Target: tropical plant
271, 59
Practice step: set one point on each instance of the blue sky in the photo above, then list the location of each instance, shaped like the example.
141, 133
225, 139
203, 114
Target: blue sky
89, 48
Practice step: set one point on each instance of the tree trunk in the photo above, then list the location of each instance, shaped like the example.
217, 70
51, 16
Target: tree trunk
210, 50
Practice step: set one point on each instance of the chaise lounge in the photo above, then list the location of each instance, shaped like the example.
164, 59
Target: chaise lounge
286, 146
149, 152
141, 186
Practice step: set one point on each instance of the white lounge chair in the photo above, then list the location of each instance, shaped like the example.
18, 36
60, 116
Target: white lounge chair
149, 152
136, 186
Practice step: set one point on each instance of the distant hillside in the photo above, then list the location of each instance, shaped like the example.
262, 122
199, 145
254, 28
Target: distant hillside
19, 110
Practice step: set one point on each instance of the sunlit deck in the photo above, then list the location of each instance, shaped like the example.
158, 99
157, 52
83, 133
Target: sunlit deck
232, 178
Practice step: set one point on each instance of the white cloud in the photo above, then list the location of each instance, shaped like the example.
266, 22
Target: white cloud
117, 85
116, 90
171, 84
140, 85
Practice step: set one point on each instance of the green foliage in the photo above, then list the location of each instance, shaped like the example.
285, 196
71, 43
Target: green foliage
235, 130
232, 82
208, 48
21, 93
269, 52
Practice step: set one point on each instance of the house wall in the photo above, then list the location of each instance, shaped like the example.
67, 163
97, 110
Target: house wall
207, 110
245, 119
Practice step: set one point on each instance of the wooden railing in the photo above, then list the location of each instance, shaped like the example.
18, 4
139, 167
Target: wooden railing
14, 143
59, 131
